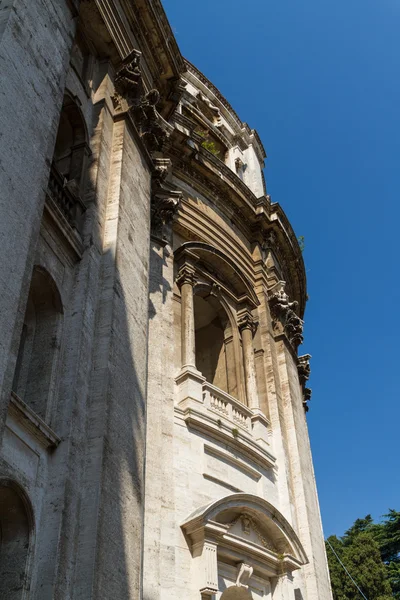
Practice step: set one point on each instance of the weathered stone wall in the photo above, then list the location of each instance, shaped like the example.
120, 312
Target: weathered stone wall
97, 418
35, 42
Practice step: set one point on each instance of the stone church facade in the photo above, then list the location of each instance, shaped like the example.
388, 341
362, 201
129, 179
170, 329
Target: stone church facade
153, 435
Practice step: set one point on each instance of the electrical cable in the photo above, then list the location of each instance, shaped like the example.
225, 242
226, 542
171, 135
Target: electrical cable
362, 594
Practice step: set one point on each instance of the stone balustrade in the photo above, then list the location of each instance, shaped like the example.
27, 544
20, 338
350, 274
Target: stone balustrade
228, 407
69, 203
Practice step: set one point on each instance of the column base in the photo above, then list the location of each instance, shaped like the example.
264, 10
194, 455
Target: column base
190, 386
260, 427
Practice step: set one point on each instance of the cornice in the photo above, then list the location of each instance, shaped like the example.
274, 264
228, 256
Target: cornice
255, 217
241, 128
145, 23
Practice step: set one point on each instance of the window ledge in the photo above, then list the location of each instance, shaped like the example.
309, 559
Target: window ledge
222, 417
23, 413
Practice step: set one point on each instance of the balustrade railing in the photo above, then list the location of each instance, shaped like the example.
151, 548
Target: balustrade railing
226, 406
70, 204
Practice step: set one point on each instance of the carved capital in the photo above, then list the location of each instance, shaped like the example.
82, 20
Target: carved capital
246, 320
186, 274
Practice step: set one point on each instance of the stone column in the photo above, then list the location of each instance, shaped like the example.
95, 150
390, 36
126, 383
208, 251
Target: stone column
247, 326
186, 281
190, 380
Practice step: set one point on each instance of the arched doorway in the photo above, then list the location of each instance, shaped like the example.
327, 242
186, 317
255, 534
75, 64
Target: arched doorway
15, 539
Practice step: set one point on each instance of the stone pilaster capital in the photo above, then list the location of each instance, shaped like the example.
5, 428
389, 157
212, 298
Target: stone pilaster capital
186, 274
247, 321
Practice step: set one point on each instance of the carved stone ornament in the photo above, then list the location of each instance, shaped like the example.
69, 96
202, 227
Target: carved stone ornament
213, 109
307, 398
303, 368
186, 274
128, 80
164, 198
244, 572
130, 95
246, 320
283, 312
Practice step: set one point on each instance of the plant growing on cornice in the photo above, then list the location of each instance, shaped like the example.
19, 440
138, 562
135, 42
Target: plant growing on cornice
235, 432
211, 147
207, 143
301, 242
219, 423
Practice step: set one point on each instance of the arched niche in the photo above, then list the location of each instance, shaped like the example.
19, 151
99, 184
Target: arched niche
38, 353
241, 529
16, 535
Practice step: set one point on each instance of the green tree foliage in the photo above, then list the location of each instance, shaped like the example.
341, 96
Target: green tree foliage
371, 553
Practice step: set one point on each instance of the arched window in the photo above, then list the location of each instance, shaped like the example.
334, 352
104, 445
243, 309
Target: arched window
71, 147
34, 377
213, 342
15, 538
69, 168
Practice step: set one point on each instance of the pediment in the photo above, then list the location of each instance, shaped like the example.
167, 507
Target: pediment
246, 528
249, 524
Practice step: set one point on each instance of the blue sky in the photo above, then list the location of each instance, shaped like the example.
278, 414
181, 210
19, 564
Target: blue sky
320, 81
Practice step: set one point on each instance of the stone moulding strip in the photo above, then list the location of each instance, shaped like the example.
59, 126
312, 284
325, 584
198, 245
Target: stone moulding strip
242, 442
70, 236
236, 462
222, 483
24, 414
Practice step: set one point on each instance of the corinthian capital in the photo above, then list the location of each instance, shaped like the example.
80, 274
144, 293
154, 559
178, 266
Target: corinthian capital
186, 274
247, 321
